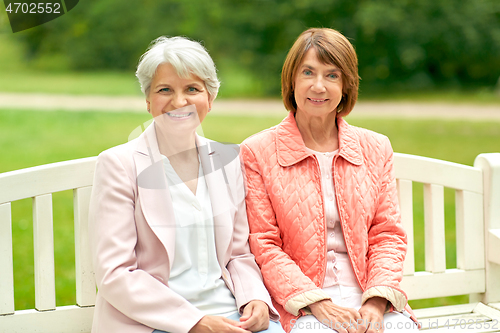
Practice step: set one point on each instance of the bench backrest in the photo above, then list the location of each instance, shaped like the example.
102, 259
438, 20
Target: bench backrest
436, 280
475, 189
39, 183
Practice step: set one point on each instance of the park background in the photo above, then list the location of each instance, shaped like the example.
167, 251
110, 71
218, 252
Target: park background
421, 52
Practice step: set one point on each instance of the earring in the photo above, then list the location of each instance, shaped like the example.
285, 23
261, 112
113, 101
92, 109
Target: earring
340, 107
209, 109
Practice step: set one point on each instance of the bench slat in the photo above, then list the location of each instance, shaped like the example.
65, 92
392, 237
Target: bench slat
470, 230
454, 321
488, 311
472, 317
450, 283
6, 262
441, 311
428, 170
85, 284
405, 195
46, 179
43, 238
466, 330
66, 319
435, 255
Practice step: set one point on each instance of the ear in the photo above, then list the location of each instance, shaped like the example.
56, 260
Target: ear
148, 104
210, 102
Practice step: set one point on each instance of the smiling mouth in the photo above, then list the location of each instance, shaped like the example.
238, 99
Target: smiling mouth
180, 115
318, 100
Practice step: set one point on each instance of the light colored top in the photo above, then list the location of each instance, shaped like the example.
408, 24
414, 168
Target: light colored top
132, 237
196, 273
338, 267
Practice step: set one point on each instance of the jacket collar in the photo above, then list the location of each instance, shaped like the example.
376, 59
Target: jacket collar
156, 203
291, 148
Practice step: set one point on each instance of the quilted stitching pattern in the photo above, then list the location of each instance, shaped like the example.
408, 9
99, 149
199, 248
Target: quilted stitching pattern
286, 216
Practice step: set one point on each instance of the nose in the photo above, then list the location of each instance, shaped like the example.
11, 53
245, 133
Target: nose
180, 100
318, 85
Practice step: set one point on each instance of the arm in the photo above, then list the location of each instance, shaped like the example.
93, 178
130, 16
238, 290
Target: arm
245, 274
386, 243
113, 238
284, 279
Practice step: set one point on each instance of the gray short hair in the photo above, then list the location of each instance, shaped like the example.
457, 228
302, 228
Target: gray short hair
186, 56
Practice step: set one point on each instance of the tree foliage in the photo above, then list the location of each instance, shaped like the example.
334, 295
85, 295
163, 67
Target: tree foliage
404, 44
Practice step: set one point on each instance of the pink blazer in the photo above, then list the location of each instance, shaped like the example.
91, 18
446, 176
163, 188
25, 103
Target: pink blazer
132, 237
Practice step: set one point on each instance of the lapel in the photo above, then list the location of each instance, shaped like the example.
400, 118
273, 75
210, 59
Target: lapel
155, 200
154, 196
214, 157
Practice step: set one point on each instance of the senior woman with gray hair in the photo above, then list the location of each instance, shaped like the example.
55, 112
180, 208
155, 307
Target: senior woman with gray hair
168, 225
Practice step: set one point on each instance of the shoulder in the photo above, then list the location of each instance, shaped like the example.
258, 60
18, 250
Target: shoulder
261, 139
371, 147
368, 139
259, 147
119, 156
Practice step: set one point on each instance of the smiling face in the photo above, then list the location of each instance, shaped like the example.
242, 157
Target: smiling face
169, 92
317, 87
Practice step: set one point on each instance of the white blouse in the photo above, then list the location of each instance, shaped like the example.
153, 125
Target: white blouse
339, 270
196, 274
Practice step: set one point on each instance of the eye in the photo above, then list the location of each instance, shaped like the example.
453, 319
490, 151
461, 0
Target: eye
307, 72
193, 89
164, 90
333, 75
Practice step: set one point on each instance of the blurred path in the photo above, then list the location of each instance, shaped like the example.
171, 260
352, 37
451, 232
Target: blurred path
249, 107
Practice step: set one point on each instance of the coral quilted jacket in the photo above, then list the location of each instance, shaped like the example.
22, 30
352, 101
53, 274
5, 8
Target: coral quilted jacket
286, 215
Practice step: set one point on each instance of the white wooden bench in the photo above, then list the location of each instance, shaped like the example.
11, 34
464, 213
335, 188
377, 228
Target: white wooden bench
477, 271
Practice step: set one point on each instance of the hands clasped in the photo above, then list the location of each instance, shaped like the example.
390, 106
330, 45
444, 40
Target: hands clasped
255, 318
369, 318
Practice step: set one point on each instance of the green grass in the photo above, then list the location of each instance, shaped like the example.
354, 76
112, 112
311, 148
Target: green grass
479, 95
72, 83
29, 138
457, 141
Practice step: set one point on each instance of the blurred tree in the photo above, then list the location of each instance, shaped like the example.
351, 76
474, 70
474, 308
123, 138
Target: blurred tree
401, 44
419, 44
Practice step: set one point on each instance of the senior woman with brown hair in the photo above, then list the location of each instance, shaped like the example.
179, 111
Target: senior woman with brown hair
321, 201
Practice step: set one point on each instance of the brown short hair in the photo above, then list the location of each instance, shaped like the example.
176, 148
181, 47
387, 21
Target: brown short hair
332, 48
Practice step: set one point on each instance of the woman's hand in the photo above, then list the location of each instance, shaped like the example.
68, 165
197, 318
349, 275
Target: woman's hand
343, 320
255, 316
215, 324
372, 313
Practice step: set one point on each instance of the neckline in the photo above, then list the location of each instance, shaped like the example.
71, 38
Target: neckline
327, 153
176, 180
